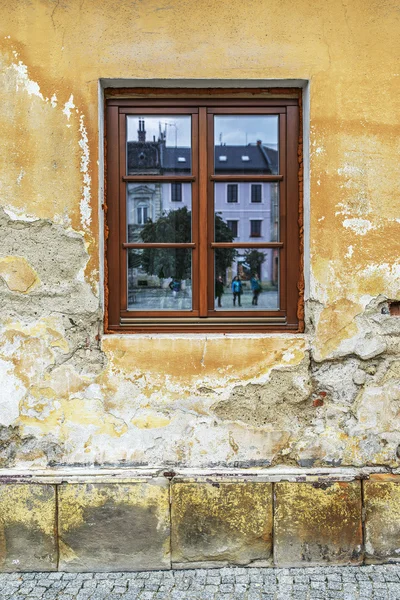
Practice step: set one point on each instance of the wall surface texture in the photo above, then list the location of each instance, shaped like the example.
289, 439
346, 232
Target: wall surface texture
71, 396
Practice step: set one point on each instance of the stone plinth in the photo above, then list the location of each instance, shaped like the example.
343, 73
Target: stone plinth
221, 523
28, 528
317, 523
114, 527
382, 518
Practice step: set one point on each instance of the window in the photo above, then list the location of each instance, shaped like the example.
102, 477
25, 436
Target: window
142, 215
256, 192
176, 191
180, 246
255, 228
233, 226
232, 192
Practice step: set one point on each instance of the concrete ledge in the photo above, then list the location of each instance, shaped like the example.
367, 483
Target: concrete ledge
129, 520
139, 474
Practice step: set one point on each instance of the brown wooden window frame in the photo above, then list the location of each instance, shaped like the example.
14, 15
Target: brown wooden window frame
202, 105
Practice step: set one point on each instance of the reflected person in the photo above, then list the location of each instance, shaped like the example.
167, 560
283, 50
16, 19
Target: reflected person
237, 290
255, 288
175, 286
219, 289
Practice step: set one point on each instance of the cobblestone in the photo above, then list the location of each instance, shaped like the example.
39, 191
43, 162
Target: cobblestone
373, 582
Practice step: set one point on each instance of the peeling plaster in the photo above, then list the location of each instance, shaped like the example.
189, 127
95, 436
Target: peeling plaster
11, 392
23, 81
68, 107
75, 396
85, 205
359, 226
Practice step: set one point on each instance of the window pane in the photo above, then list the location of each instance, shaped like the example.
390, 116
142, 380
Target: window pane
256, 189
159, 212
176, 192
256, 286
158, 145
160, 279
246, 144
255, 228
232, 192
253, 219
233, 226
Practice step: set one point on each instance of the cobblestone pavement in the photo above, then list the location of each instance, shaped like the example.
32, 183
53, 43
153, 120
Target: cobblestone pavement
342, 583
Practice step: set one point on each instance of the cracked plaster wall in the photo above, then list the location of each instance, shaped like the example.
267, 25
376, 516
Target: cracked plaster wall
70, 395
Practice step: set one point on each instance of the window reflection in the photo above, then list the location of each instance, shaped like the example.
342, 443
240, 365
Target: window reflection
251, 211
160, 279
158, 145
159, 212
246, 279
246, 144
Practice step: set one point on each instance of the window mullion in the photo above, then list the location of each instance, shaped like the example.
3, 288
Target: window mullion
203, 212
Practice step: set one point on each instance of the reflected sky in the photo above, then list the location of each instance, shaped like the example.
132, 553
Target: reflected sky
243, 130
177, 129
229, 130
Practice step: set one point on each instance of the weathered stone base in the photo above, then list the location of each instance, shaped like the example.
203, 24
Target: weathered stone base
125, 521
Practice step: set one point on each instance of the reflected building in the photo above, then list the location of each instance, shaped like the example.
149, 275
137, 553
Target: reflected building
251, 210
147, 202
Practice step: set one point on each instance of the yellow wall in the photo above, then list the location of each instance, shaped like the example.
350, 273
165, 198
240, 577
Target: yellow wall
70, 395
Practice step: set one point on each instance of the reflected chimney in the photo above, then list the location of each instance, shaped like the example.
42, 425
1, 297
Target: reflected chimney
141, 131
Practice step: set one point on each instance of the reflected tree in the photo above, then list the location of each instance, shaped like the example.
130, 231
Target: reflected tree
134, 259
173, 227
169, 262
224, 257
254, 259
176, 227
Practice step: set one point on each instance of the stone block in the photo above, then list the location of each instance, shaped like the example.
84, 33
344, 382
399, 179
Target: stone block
316, 523
27, 527
214, 523
114, 527
382, 518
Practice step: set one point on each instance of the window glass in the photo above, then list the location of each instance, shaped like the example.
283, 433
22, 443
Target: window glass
232, 193
158, 145
256, 189
246, 279
233, 226
160, 279
256, 228
267, 213
246, 144
176, 192
153, 214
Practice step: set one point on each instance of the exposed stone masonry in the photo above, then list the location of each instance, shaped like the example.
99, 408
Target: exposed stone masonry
81, 522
